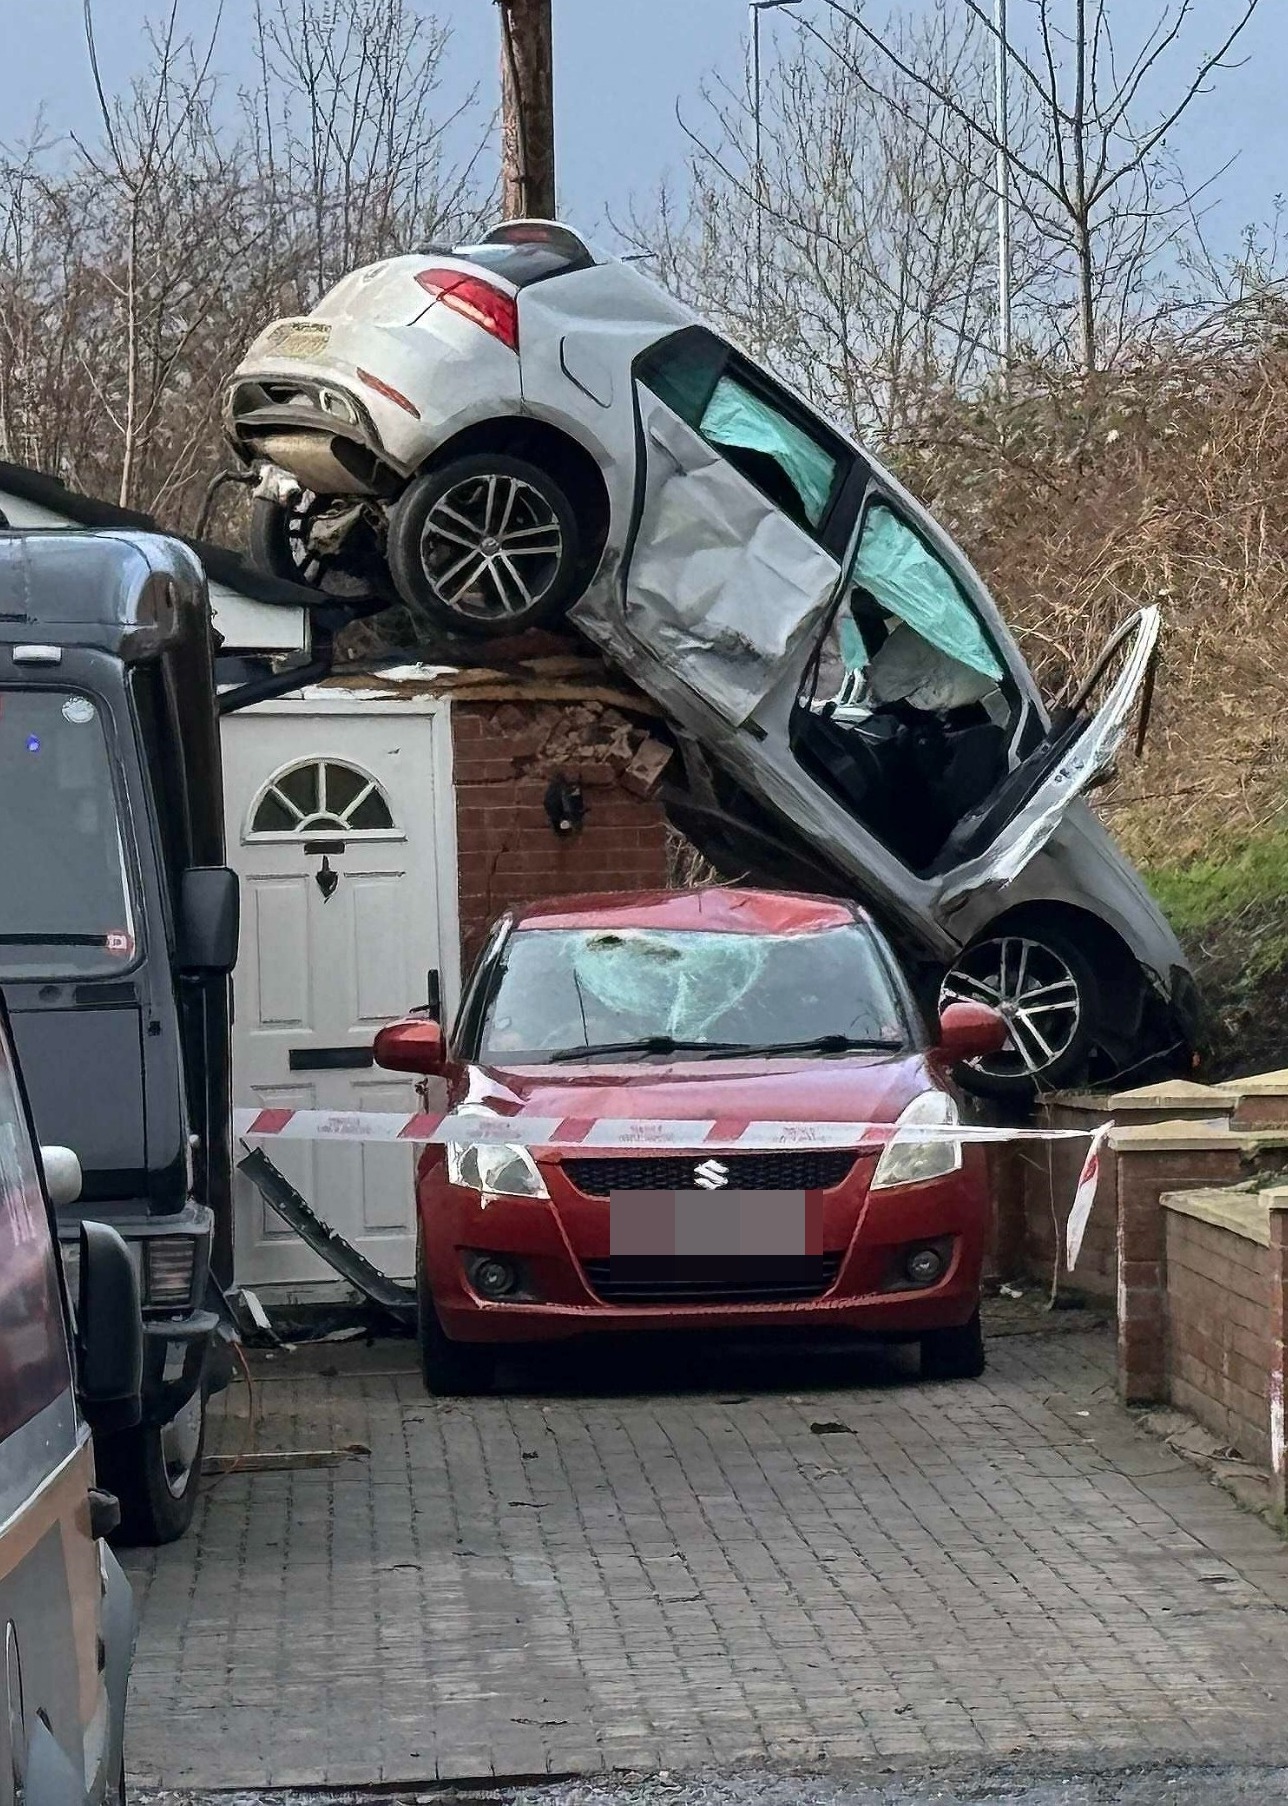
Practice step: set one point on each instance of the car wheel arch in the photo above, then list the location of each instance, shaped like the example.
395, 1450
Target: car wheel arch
566, 459
1104, 946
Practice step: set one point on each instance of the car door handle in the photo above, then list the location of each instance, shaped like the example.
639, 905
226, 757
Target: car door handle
330, 1059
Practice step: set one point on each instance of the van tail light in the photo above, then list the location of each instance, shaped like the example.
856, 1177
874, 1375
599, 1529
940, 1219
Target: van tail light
488, 306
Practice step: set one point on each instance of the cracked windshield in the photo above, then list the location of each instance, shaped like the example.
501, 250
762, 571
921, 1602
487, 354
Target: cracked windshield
564, 989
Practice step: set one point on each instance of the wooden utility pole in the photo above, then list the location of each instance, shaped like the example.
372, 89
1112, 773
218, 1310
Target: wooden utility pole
527, 110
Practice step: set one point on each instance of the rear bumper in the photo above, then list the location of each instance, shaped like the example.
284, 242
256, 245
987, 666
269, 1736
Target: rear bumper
555, 1239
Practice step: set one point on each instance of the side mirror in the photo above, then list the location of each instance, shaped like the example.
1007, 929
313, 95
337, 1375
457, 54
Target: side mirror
63, 1178
969, 1031
413, 1045
209, 919
109, 1331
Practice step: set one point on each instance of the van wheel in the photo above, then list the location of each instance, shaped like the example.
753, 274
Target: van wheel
954, 1354
449, 1369
487, 545
154, 1471
1042, 980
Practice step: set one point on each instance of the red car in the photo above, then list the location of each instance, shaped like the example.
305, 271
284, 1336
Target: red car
601, 1022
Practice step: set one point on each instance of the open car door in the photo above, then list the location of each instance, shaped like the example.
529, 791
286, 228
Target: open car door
730, 566
993, 844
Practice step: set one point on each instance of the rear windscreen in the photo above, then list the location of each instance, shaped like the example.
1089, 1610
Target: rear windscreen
529, 254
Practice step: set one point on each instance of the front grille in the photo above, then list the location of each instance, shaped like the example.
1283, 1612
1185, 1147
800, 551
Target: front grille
713, 1279
795, 1169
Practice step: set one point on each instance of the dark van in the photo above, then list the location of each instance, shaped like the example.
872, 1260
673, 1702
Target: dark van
66, 1613
118, 934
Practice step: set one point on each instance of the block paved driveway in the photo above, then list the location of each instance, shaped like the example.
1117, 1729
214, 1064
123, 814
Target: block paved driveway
806, 1558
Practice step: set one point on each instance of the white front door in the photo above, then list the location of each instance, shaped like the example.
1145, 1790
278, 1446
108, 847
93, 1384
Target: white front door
339, 824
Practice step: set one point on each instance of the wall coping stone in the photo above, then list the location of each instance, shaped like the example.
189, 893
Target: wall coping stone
1242, 1213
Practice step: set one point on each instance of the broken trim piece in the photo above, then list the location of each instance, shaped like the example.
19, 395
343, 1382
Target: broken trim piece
281, 1196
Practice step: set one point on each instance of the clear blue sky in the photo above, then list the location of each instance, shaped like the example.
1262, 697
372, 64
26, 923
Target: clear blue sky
621, 65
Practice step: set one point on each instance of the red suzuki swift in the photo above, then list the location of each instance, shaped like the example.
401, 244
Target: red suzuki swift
660, 1056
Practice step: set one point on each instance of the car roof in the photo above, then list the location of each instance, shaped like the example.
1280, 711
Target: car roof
720, 909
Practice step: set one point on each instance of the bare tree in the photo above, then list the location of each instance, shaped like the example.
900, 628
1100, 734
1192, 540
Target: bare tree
1091, 185
350, 134
878, 287
139, 258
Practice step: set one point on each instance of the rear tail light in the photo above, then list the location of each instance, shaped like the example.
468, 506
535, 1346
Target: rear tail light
488, 306
169, 1268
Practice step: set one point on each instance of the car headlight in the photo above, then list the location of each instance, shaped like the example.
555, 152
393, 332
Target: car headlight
909, 1162
498, 1169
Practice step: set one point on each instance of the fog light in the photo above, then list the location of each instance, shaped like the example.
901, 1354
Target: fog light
169, 1262
494, 1277
924, 1266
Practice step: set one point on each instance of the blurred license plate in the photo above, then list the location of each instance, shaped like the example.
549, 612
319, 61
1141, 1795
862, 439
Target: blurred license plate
692, 1224
300, 338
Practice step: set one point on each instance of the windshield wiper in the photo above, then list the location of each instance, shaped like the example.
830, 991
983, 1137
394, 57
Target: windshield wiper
648, 1044
824, 1044
667, 1044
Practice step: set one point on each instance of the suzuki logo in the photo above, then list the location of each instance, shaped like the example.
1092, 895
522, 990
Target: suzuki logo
712, 1175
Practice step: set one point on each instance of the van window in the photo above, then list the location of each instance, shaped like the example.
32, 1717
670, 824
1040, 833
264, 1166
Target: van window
35, 1367
66, 909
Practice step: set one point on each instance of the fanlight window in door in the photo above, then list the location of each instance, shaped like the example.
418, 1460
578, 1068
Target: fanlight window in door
322, 796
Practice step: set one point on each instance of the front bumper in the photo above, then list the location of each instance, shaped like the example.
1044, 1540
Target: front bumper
560, 1242
180, 1334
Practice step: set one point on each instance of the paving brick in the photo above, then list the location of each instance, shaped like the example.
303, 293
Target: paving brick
579, 1580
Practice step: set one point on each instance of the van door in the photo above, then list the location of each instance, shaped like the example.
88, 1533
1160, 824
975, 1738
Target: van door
742, 522
52, 1725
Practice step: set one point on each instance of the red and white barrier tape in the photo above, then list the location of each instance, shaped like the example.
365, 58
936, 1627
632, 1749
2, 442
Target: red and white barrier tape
728, 1134
733, 1134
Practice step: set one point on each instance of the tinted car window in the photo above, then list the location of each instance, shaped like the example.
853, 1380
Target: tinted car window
34, 1363
527, 254
559, 989
796, 462
65, 904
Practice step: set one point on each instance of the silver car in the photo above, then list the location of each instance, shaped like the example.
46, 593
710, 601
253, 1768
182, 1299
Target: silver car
525, 428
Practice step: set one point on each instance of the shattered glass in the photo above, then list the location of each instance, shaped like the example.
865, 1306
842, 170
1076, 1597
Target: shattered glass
567, 988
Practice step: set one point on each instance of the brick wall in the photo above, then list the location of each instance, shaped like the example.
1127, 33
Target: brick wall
505, 756
1219, 1331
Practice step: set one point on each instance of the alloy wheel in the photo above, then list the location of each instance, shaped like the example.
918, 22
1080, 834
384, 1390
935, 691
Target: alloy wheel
1033, 988
492, 546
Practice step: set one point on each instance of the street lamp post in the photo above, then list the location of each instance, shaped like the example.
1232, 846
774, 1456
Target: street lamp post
756, 7
1002, 131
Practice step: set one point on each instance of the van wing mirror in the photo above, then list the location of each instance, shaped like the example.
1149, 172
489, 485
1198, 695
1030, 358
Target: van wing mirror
413, 1045
109, 1331
209, 919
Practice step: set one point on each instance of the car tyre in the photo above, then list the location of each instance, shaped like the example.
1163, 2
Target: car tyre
954, 1354
155, 1472
1057, 964
277, 548
449, 1369
485, 546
